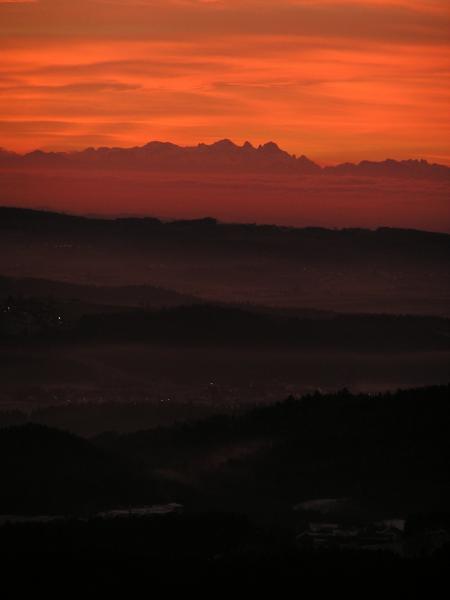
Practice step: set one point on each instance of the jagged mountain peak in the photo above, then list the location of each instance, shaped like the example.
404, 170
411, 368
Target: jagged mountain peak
225, 143
220, 155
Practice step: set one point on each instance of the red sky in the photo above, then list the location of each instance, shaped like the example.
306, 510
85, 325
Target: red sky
336, 80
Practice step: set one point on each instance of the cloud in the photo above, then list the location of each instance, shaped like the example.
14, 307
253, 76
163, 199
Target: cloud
165, 19
338, 80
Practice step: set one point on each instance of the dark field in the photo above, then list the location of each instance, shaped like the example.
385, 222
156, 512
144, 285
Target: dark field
350, 270
186, 373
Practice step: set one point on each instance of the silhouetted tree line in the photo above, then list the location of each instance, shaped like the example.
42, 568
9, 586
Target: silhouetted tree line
391, 449
90, 418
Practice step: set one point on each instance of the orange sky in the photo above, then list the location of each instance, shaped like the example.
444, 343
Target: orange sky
336, 80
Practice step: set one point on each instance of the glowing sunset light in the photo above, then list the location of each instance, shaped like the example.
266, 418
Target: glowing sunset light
335, 80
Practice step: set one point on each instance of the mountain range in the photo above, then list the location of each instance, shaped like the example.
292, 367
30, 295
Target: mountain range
219, 156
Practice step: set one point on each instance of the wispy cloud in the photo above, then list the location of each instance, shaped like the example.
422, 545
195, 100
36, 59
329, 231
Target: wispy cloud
338, 80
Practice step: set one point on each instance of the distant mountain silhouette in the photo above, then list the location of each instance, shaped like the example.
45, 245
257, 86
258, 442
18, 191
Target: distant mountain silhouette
391, 168
220, 156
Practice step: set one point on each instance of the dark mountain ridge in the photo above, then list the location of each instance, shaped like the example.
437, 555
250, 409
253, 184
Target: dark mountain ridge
40, 221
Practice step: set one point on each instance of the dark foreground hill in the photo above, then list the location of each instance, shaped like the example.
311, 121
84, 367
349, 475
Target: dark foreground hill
387, 455
47, 471
203, 552
248, 487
